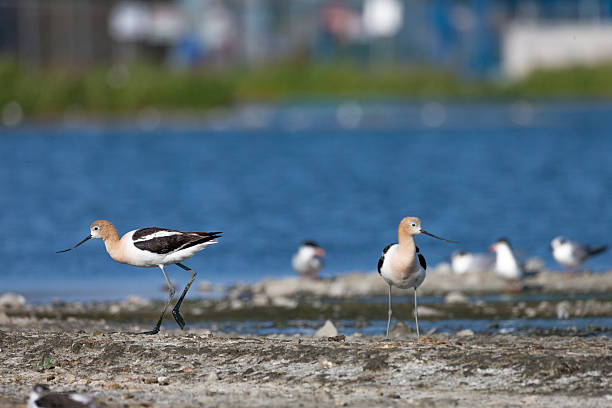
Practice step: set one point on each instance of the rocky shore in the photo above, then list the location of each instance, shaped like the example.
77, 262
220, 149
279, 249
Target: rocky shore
199, 368
440, 281
92, 348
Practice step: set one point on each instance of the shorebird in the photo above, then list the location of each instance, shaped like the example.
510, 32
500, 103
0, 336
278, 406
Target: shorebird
150, 247
42, 397
573, 254
402, 265
507, 265
464, 262
308, 260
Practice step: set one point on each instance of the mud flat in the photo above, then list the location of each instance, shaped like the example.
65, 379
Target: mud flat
199, 368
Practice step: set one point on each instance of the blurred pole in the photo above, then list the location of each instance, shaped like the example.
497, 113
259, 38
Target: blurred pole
254, 35
29, 32
82, 54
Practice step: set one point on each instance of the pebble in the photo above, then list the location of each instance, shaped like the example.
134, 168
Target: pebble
327, 330
213, 376
400, 331
285, 302
112, 386
12, 301
563, 310
465, 333
455, 297
163, 380
4, 319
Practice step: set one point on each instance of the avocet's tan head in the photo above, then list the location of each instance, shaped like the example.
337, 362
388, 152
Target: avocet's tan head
412, 226
98, 229
102, 229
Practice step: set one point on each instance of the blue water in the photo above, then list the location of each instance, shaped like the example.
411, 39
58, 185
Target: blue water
272, 177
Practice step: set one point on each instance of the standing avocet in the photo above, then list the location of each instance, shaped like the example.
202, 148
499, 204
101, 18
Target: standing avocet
403, 265
150, 247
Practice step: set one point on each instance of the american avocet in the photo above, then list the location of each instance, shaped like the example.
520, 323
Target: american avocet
308, 260
42, 397
573, 254
403, 265
469, 262
150, 247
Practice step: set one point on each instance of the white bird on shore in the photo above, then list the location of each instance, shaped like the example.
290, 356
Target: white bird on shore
507, 265
42, 397
469, 262
402, 265
573, 254
308, 260
150, 247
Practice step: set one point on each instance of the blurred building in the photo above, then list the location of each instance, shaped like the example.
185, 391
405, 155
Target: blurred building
474, 37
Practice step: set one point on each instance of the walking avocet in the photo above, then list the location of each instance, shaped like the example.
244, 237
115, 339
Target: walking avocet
308, 260
150, 247
403, 265
573, 254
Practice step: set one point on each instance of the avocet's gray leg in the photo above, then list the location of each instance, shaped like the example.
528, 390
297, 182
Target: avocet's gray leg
170, 296
175, 311
416, 314
389, 313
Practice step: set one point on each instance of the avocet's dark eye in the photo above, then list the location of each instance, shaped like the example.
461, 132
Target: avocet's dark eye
413, 224
96, 228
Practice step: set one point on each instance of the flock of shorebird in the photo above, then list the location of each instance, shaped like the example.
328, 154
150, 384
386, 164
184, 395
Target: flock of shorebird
402, 264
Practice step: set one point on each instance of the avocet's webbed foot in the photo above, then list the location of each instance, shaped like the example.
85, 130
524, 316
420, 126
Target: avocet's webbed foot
154, 331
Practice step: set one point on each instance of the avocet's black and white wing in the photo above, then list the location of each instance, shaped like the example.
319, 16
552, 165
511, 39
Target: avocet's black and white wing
165, 241
381, 261
421, 259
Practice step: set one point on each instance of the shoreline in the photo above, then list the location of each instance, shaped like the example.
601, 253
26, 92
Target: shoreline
200, 368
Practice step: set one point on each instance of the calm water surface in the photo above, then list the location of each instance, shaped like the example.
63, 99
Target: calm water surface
272, 177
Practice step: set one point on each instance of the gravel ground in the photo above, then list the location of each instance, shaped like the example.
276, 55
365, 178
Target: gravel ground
196, 368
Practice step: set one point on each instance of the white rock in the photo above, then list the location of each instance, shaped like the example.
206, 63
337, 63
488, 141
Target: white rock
12, 300
563, 310
260, 300
133, 303
427, 311
4, 319
400, 331
465, 333
285, 302
205, 286
456, 297
327, 330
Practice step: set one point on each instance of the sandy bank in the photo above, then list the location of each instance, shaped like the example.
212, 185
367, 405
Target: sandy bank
193, 368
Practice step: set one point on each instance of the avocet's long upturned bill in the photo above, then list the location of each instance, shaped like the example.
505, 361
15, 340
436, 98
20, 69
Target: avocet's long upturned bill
573, 254
403, 265
150, 247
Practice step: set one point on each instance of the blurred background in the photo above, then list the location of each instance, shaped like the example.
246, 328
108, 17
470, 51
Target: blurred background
277, 122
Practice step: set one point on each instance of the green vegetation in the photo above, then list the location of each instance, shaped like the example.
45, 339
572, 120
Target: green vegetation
126, 90
44, 364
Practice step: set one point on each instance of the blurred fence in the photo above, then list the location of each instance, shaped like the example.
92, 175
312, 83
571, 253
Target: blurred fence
463, 35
